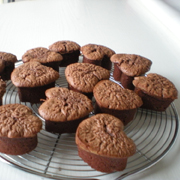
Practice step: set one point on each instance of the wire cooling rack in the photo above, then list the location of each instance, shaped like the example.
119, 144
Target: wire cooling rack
56, 156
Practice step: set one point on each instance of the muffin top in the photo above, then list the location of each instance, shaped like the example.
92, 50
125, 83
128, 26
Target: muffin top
96, 52
2, 87
132, 64
103, 134
17, 120
8, 57
33, 74
65, 104
110, 95
42, 55
64, 47
156, 85
84, 76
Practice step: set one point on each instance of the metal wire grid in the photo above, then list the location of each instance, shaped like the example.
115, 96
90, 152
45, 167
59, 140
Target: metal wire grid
56, 156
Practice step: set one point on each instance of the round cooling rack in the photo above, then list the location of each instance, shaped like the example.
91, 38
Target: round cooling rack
56, 156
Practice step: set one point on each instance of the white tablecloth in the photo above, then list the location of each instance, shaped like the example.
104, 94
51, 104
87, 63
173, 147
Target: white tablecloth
125, 26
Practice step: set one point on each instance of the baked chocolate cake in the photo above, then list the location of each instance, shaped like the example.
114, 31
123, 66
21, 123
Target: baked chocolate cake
103, 144
7, 61
32, 79
82, 77
64, 109
44, 56
112, 99
98, 55
70, 51
18, 129
156, 91
128, 66
2, 90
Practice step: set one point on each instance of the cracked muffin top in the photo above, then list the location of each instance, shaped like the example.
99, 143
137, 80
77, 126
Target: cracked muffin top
7, 57
2, 87
84, 76
132, 64
103, 135
17, 120
63, 104
42, 55
156, 85
110, 95
64, 47
33, 74
96, 52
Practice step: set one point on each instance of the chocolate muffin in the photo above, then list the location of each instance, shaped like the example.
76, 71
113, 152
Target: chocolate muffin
32, 79
2, 65
70, 51
128, 66
7, 64
64, 109
44, 56
98, 55
18, 129
112, 99
2, 90
82, 77
156, 91
103, 144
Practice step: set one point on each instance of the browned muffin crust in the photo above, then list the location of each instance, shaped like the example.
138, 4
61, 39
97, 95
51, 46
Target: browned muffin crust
42, 55
8, 57
17, 120
96, 52
103, 144
103, 134
2, 88
17, 146
110, 95
63, 47
156, 85
7, 61
112, 99
131, 64
18, 129
84, 76
33, 74
66, 105
2, 65
64, 109
70, 51
98, 55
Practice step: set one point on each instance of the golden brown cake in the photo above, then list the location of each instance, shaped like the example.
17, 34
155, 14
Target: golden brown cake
111, 98
98, 55
64, 109
156, 91
82, 77
32, 79
128, 66
7, 61
44, 56
2, 90
18, 129
103, 144
70, 51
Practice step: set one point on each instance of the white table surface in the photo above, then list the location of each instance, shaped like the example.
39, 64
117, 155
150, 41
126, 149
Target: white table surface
126, 26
